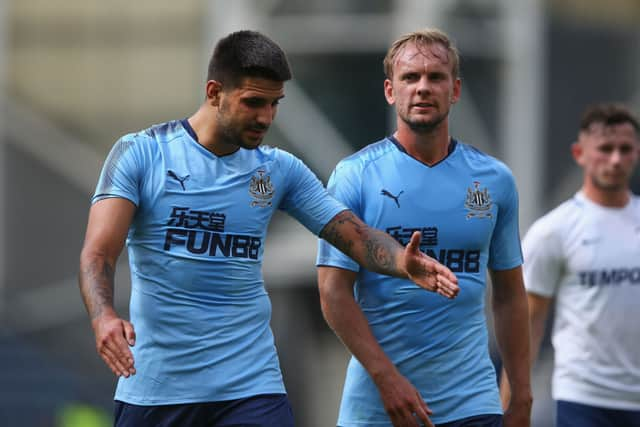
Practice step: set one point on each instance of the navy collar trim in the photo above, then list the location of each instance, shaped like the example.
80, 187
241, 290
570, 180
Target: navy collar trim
452, 147
189, 129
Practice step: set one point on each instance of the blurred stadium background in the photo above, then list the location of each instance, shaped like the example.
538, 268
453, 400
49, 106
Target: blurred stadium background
77, 74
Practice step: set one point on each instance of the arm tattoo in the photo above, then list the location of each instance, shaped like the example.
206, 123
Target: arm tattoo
96, 286
381, 252
372, 249
331, 232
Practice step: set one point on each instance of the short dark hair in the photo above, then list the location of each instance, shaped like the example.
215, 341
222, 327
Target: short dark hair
247, 54
609, 114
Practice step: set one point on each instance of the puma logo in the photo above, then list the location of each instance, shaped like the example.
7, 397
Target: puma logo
391, 196
173, 175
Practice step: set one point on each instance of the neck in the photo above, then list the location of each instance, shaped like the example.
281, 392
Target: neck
205, 126
610, 199
429, 147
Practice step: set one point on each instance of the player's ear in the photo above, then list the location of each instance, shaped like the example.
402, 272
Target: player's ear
214, 88
577, 151
457, 86
388, 92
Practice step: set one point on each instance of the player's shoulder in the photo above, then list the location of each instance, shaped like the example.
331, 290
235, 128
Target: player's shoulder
561, 212
559, 219
274, 159
478, 159
267, 153
371, 153
272, 151
160, 133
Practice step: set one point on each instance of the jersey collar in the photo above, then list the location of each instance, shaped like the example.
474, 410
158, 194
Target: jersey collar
452, 146
187, 126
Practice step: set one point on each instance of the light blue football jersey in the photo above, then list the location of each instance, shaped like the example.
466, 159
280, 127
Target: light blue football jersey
466, 209
198, 302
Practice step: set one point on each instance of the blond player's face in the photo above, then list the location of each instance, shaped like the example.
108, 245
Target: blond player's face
422, 87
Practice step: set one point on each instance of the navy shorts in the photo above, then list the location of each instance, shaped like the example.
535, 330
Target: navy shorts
577, 414
490, 420
266, 410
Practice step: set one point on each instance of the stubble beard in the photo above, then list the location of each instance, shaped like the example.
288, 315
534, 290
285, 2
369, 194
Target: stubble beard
230, 134
422, 127
610, 186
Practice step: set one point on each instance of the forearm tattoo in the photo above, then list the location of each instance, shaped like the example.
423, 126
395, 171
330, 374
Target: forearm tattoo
371, 248
96, 286
381, 252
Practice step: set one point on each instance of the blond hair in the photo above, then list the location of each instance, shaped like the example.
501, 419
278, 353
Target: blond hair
420, 38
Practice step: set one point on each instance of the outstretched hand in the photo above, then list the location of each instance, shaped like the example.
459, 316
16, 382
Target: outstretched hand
428, 273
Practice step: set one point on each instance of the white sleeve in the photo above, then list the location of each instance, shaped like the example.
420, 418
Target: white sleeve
543, 258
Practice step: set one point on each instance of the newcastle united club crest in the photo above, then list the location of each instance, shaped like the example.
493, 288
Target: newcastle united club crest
478, 202
261, 190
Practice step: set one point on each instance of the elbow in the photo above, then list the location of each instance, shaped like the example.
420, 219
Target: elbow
335, 288
91, 257
327, 301
332, 301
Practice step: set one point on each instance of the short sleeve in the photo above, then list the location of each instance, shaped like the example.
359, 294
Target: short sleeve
505, 252
542, 259
344, 185
306, 199
121, 172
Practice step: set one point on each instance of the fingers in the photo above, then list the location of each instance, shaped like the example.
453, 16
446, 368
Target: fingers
113, 339
422, 416
118, 365
445, 272
412, 412
424, 406
407, 419
446, 283
446, 287
419, 417
423, 413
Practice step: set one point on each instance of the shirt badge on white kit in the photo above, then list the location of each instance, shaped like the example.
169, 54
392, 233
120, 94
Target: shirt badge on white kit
261, 189
478, 202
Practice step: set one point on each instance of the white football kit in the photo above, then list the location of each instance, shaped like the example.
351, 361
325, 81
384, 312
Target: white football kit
587, 257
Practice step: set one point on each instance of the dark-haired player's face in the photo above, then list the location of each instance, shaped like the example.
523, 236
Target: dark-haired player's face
422, 87
608, 155
246, 112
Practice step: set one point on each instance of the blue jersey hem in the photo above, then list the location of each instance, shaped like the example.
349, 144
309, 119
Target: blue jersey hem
179, 401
